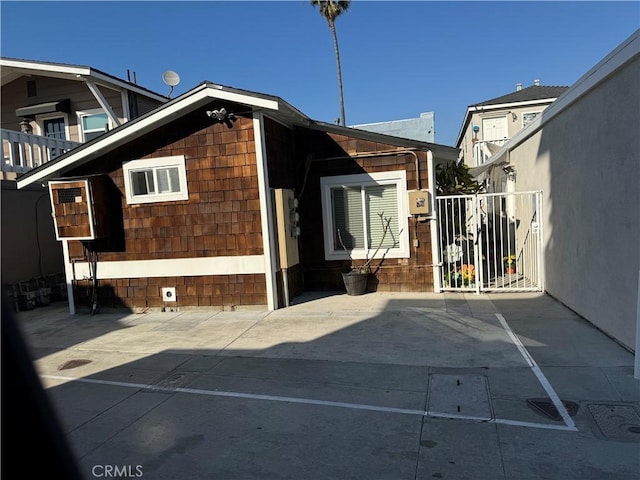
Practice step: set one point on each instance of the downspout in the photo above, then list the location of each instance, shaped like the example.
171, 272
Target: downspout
435, 235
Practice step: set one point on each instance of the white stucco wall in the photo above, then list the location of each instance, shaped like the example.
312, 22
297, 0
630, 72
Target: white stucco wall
586, 159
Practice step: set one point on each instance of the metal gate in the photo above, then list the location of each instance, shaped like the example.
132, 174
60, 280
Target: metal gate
491, 242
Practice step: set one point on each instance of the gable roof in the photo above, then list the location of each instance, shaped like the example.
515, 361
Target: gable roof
13, 68
528, 94
628, 50
190, 101
535, 94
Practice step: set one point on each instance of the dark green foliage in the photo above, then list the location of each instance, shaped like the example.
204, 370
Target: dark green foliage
453, 178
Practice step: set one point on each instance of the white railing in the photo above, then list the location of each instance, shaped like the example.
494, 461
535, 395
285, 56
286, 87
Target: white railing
483, 150
24, 151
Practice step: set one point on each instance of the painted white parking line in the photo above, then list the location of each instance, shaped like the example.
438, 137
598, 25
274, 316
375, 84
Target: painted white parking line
538, 373
306, 401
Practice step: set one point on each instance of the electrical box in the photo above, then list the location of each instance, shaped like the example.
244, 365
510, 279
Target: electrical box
80, 208
419, 202
287, 218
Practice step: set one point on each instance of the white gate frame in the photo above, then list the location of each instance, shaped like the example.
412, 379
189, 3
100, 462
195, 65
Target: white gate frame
478, 232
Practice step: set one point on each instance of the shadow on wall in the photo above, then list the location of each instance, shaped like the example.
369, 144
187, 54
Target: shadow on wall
592, 204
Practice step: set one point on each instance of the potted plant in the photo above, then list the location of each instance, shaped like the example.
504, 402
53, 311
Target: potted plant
355, 281
509, 264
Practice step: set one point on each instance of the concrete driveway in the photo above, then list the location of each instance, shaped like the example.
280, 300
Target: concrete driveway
381, 386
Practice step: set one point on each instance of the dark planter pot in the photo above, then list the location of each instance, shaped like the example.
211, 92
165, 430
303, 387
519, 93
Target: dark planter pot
355, 282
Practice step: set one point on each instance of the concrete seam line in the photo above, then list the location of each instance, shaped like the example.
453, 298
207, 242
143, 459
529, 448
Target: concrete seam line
306, 401
538, 373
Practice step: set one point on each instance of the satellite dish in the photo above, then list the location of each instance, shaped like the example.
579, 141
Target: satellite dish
170, 78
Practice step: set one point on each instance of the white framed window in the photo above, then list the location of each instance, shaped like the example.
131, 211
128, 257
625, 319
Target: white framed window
92, 124
529, 117
355, 209
155, 180
53, 125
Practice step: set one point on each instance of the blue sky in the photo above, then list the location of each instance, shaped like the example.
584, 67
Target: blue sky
398, 58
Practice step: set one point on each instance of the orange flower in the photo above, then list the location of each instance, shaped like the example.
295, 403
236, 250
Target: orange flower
468, 271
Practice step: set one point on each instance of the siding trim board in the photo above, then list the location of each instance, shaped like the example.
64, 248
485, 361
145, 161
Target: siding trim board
266, 218
173, 267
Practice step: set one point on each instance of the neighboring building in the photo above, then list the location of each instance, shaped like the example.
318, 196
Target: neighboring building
199, 202
490, 124
48, 109
421, 129
583, 153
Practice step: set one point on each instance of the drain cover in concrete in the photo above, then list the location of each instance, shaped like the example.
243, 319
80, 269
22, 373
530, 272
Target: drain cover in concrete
546, 407
618, 422
460, 396
74, 364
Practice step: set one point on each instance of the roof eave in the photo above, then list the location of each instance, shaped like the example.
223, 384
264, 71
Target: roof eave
182, 105
497, 106
78, 72
444, 152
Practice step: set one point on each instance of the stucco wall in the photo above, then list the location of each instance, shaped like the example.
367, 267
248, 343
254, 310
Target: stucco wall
514, 124
586, 159
29, 246
52, 89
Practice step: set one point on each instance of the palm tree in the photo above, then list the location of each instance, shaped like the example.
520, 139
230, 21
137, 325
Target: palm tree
330, 10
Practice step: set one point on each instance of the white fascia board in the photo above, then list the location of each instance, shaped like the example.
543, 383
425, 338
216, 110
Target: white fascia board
126, 131
80, 71
46, 67
159, 118
242, 98
498, 106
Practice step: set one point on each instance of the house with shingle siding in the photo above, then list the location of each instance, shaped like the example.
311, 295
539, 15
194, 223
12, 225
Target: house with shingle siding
226, 198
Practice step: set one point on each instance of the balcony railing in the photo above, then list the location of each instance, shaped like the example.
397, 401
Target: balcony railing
24, 151
483, 150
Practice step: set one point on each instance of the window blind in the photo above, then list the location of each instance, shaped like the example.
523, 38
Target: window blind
382, 200
347, 217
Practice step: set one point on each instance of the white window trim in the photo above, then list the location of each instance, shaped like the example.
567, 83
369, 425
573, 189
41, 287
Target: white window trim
39, 123
398, 178
537, 112
83, 113
154, 163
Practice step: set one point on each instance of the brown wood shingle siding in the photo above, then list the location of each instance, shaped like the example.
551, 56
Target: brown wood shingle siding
14, 95
220, 218
222, 215
72, 217
392, 274
193, 291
